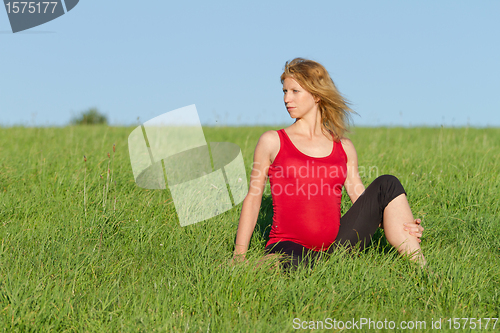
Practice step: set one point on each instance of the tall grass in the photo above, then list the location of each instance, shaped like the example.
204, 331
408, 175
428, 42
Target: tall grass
70, 262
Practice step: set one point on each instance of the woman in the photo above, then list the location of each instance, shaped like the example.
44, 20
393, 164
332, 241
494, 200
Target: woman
307, 164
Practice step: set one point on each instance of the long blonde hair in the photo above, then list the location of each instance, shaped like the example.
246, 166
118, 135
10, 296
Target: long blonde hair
333, 107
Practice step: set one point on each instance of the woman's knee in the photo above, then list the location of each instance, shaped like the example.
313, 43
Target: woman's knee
389, 187
387, 179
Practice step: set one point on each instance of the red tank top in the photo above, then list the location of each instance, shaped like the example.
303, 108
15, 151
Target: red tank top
306, 194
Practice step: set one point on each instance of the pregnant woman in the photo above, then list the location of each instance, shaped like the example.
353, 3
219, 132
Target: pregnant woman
308, 164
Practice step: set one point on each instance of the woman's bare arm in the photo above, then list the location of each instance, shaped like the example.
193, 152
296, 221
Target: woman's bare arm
265, 151
353, 184
355, 187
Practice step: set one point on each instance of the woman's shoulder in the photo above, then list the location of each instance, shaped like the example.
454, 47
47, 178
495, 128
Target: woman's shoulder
269, 144
269, 138
346, 142
348, 147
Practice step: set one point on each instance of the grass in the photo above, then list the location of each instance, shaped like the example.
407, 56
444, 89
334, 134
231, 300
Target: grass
122, 263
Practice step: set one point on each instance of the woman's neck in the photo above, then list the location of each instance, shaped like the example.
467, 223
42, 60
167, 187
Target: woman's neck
309, 126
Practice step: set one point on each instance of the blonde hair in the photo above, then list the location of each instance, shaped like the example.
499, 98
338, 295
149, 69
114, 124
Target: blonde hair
333, 107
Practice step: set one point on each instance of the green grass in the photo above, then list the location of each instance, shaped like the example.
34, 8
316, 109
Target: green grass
126, 265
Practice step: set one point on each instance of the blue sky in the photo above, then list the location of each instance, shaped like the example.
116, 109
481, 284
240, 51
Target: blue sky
399, 62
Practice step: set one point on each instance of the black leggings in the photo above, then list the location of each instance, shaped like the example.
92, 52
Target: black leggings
357, 226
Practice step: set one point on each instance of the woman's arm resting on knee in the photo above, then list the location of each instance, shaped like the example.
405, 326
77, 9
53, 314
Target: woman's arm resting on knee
353, 185
355, 188
415, 229
266, 148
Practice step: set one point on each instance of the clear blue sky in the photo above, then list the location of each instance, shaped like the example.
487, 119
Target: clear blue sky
399, 62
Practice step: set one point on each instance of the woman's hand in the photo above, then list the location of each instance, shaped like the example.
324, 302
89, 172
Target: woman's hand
237, 259
271, 260
415, 229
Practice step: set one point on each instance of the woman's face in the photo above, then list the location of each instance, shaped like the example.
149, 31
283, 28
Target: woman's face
298, 101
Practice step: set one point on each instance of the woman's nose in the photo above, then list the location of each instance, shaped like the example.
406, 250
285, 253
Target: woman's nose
286, 98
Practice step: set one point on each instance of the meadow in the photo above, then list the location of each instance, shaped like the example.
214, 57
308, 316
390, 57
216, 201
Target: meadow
83, 249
